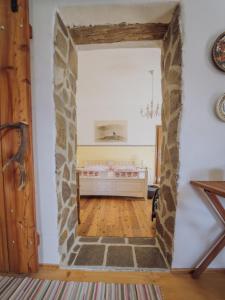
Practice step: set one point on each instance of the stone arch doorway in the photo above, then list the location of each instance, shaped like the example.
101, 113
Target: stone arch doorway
65, 75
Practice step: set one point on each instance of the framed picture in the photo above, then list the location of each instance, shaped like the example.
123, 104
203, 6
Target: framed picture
110, 131
218, 52
220, 108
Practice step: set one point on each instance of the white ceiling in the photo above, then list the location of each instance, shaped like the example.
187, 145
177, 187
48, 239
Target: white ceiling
120, 11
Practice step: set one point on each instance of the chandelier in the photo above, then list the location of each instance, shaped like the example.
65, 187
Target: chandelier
151, 110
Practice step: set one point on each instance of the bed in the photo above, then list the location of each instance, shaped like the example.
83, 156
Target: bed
113, 179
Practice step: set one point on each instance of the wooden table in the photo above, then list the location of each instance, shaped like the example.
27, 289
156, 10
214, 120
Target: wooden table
212, 189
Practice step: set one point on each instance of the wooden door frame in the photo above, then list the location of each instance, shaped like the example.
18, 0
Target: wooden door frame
17, 213
158, 147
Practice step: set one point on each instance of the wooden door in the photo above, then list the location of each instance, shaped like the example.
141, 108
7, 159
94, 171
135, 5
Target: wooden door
158, 154
18, 237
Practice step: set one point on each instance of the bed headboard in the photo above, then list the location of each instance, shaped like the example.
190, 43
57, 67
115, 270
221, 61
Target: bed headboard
108, 163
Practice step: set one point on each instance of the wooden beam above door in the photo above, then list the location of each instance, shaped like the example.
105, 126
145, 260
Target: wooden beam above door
123, 32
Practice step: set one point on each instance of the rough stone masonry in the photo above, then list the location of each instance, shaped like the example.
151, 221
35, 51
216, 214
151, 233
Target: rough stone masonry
65, 75
171, 111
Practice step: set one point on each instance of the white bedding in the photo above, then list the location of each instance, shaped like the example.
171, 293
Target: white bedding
113, 180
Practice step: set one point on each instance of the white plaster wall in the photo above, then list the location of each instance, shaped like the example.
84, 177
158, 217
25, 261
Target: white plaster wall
202, 142
202, 134
113, 12
42, 20
114, 84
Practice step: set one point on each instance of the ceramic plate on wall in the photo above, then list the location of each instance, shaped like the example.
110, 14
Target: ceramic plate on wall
218, 52
220, 108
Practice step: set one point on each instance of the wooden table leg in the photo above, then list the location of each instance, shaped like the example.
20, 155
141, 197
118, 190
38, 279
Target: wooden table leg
218, 207
212, 190
211, 254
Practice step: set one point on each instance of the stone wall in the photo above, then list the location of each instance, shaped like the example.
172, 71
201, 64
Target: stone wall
74, 249
171, 110
65, 75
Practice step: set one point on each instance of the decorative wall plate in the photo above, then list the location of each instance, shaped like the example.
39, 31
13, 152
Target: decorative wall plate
220, 108
218, 52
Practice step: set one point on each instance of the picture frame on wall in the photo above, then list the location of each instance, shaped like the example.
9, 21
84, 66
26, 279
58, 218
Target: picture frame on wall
218, 52
110, 132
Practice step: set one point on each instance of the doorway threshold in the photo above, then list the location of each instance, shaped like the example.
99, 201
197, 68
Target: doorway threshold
116, 253
115, 269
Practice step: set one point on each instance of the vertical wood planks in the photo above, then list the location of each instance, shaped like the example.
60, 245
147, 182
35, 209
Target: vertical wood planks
15, 106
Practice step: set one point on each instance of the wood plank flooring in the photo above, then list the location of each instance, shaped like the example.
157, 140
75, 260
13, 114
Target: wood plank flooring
174, 286
115, 216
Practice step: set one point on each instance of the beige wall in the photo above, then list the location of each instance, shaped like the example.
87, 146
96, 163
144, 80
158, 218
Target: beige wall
114, 84
137, 154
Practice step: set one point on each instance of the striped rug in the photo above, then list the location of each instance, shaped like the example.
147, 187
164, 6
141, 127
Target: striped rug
18, 288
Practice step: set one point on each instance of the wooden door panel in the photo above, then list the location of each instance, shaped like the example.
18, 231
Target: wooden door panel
15, 106
158, 154
8, 193
4, 261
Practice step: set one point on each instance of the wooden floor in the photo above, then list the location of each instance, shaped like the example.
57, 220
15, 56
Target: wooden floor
118, 216
174, 286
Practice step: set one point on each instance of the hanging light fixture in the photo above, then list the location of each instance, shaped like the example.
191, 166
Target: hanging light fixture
151, 110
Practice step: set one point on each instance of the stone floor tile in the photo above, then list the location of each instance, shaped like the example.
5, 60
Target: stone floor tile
90, 255
149, 257
113, 240
141, 241
89, 239
120, 256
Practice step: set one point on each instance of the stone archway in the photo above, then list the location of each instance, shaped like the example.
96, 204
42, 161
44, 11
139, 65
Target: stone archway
171, 113
65, 75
